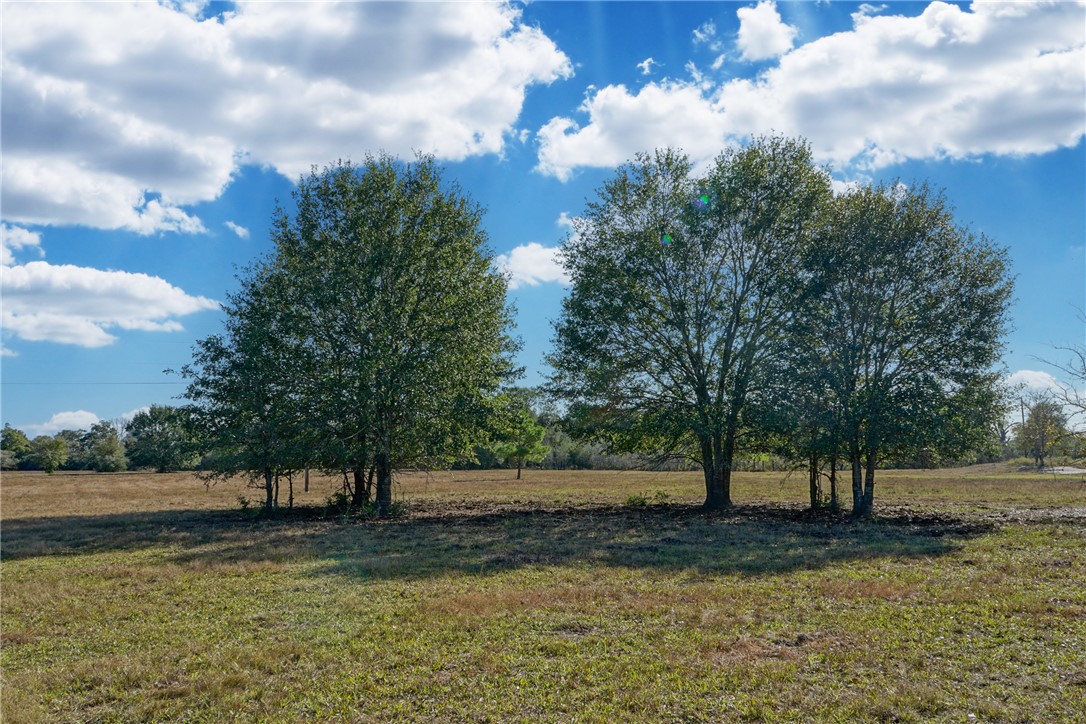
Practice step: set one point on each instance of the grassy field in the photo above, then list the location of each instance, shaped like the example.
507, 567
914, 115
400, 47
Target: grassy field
139, 597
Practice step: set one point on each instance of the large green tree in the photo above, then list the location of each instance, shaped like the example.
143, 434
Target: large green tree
399, 315
157, 438
244, 388
15, 447
76, 444
48, 453
681, 288
104, 449
907, 324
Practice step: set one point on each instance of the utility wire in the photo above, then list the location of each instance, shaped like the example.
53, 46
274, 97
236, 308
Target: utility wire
90, 383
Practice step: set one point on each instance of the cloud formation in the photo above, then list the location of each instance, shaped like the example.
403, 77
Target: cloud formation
1035, 380
238, 229
762, 33
77, 305
68, 420
531, 265
13, 238
998, 78
116, 115
705, 34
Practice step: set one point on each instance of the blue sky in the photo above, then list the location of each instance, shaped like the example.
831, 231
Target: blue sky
145, 146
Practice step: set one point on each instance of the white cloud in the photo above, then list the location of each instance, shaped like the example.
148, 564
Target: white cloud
117, 116
16, 237
646, 66
238, 229
998, 78
705, 34
569, 223
77, 305
762, 33
126, 417
532, 264
68, 420
840, 188
620, 124
866, 10
6, 352
1035, 380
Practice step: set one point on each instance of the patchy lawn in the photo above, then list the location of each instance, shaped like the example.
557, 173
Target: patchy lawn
138, 597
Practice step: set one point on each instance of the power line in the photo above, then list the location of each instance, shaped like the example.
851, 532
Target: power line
5, 382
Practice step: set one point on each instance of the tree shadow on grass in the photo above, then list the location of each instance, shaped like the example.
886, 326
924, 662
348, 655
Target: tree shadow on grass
747, 540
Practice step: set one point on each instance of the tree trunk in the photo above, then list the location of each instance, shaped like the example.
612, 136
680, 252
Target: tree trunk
724, 472
269, 490
361, 493
834, 505
718, 472
711, 493
290, 491
275, 500
857, 480
518, 469
716, 485
307, 480
869, 484
813, 473
384, 484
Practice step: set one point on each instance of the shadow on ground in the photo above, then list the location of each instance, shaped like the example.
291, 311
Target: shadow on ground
748, 540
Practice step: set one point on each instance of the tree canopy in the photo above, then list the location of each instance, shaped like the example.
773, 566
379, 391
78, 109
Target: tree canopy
376, 333
48, 453
15, 446
681, 285
157, 439
523, 441
750, 301
906, 323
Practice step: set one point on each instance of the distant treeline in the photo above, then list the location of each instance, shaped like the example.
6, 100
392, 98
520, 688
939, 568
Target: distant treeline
160, 439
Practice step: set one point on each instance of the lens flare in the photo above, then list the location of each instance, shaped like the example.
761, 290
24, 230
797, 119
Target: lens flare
665, 239
701, 202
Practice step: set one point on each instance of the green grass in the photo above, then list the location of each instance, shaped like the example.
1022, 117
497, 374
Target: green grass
141, 597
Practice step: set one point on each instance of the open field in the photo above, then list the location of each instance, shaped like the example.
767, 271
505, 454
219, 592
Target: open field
140, 597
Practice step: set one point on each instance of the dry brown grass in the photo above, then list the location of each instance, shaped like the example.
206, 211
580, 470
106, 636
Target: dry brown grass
35, 494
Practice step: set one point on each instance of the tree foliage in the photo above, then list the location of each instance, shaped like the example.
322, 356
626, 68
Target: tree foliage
373, 338
1045, 428
906, 327
681, 285
244, 386
15, 446
523, 442
104, 449
48, 453
157, 438
751, 304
